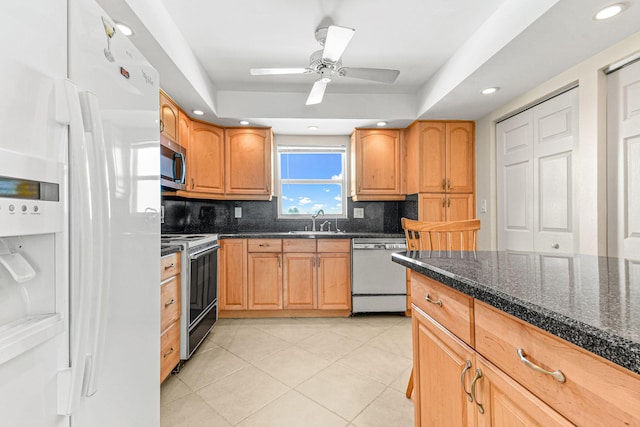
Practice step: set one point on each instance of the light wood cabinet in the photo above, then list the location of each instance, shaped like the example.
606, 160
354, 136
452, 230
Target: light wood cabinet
248, 160
205, 166
334, 274
441, 157
233, 279
468, 371
300, 284
445, 207
170, 310
184, 129
168, 117
376, 164
264, 277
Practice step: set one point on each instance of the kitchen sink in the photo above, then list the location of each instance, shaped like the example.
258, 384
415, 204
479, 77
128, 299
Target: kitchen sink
313, 233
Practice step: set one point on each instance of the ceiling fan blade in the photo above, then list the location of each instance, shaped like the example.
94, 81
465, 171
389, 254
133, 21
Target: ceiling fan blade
337, 40
276, 71
381, 75
317, 92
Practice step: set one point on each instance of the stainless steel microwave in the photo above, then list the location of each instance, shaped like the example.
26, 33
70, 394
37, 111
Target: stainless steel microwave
173, 165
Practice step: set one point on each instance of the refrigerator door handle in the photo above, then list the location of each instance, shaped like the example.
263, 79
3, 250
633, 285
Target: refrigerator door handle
70, 380
101, 186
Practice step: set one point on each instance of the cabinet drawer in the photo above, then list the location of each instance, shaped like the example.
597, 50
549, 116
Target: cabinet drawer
265, 245
169, 265
169, 302
595, 389
169, 350
334, 245
299, 245
454, 310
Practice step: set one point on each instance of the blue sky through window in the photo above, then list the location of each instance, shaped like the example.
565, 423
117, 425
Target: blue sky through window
311, 181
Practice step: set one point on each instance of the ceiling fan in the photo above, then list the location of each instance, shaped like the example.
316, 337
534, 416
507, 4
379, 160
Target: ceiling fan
327, 62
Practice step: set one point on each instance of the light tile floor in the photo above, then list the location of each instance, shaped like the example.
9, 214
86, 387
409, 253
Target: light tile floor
290, 372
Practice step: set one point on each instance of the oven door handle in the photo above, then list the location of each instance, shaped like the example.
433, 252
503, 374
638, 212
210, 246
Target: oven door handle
203, 252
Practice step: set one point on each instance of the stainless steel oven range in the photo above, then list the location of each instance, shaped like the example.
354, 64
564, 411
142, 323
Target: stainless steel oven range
199, 284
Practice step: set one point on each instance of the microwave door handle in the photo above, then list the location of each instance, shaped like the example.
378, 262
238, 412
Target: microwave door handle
180, 179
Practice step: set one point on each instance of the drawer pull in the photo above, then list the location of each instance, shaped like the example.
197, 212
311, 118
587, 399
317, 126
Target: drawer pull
168, 352
427, 299
558, 375
167, 304
263, 245
473, 390
467, 366
167, 267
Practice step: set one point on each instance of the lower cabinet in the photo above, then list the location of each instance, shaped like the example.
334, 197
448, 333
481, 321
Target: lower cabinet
299, 276
169, 314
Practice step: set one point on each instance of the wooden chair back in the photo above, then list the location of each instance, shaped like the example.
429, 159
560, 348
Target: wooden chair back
441, 236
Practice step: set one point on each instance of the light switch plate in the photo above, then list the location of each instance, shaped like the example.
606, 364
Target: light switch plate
358, 212
483, 205
238, 212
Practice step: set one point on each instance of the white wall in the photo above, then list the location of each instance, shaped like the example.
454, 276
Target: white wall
590, 160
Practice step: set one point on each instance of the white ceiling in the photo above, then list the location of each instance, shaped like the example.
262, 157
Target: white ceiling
446, 51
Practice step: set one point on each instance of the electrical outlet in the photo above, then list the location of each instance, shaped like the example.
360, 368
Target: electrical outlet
358, 212
238, 212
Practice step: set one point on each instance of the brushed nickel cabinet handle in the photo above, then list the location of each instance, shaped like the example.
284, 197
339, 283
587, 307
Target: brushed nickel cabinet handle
168, 352
427, 299
473, 390
449, 202
193, 185
558, 375
555, 246
161, 126
167, 267
444, 185
467, 366
448, 184
318, 261
279, 261
167, 304
444, 202
263, 245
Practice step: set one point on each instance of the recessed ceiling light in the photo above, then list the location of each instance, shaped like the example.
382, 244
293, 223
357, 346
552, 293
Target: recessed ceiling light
380, 124
489, 90
124, 29
313, 128
198, 112
244, 122
609, 11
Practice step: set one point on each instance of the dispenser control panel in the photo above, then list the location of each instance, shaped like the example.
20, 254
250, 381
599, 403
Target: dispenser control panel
29, 207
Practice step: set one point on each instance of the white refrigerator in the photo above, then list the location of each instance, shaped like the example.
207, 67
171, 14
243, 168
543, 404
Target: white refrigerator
79, 221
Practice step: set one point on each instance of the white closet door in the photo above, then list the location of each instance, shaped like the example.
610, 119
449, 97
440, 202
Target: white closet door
623, 162
515, 174
536, 188
554, 135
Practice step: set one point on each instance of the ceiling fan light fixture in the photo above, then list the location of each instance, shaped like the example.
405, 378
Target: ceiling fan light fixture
609, 11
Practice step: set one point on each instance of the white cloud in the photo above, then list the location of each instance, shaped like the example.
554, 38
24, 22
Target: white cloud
338, 198
326, 190
287, 198
337, 176
318, 206
339, 205
305, 201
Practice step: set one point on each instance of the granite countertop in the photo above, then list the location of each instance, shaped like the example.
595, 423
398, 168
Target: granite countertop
590, 301
307, 235
168, 249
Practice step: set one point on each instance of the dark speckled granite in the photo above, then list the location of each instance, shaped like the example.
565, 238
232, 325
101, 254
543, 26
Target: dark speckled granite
593, 302
276, 235
169, 249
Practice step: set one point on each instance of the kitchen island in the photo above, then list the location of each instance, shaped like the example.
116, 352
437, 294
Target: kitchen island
575, 317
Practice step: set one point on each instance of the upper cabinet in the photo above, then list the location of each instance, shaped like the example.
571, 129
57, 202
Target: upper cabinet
184, 129
248, 162
376, 164
168, 117
441, 157
205, 163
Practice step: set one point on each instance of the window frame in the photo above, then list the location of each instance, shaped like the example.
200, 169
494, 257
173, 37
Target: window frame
317, 147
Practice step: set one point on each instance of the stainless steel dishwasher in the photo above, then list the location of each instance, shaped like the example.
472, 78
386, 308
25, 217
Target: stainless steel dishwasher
378, 284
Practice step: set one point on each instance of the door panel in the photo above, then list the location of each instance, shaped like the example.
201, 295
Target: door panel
460, 155
265, 281
432, 157
299, 286
623, 157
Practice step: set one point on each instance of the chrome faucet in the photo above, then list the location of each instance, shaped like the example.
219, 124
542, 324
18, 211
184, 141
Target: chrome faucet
325, 223
313, 219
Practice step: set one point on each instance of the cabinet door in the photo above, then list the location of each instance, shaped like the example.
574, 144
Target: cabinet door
233, 280
168, 118
460, 155
169, 302
265, 281
440, 369
206, 159
184, 129
432, 167
334, 281
248, 162
377, 163
431, 207
506, 403
300, 286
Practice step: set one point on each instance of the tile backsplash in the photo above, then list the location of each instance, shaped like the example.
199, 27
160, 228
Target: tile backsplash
217, 216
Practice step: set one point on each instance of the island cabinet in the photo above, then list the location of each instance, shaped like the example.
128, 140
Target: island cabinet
248, 163
169, 314
475, 365
285, 277
441, 169
377, 164
168, 117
